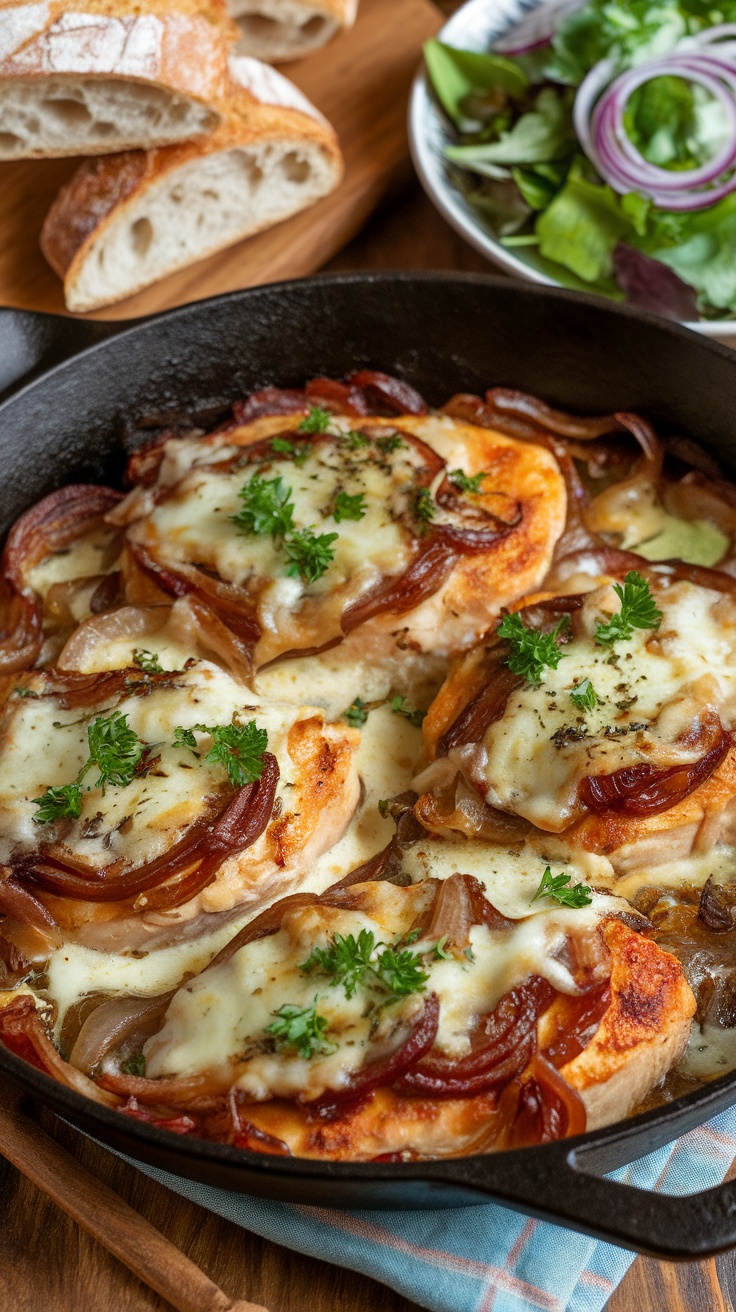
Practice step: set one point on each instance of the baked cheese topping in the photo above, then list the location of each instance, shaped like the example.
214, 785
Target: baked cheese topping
44, 745
651, 690
195, 524
222, 1017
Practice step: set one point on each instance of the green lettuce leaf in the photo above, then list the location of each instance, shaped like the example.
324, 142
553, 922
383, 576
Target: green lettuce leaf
541, 136
456, 74
705, 254
582, 227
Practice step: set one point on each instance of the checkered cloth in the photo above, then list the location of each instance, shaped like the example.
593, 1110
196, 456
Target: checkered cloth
476, 1259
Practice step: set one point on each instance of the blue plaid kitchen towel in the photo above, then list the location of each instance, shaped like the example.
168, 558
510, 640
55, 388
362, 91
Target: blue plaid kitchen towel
477, 1259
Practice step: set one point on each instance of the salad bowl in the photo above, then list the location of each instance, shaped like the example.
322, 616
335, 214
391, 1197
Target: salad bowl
477, 26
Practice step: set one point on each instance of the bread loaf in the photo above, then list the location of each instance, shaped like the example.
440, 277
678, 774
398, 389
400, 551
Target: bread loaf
95, 76
124, 221
288, 29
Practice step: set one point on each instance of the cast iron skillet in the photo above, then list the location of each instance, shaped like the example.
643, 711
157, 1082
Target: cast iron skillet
75, 389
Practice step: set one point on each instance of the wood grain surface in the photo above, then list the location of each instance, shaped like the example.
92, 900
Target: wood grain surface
362, 85
48, 1265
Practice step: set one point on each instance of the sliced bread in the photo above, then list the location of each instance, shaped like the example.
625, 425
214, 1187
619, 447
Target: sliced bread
95, 76
289, 29
124, 221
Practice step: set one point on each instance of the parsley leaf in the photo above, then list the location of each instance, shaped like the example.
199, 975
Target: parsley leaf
267, 507
423, 508
399, 707
399, 972
58, 804
301, 1028
317, 421
345, 961
298, 453
238, 747
310, 554
25, 692
466, 482
348, 507
184, 738
135, 1065
638, 611
356, 714
389, 974
355, 440
115, 749
560, 888
584, 696
531, 651
389, 444
147, 661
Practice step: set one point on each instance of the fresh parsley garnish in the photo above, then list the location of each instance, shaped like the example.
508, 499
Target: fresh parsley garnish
147, 661
25, 692
348, 507
389, 444
317, 421
135, 1066
58, 804
466, 482
301, 1028
184, 738
238, 747
356, 714
310, 554
355, 440
560, 888
115, 749
531, 651
391, 973
399, 707
296, 452
584, 696
267, 507
638, 611
423, 508
117, 752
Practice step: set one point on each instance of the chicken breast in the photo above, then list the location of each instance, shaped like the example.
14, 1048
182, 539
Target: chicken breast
148, 799
391, 534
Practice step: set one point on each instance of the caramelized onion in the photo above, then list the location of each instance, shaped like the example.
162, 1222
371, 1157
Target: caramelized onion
548, 1107
383, 392
455, 808
645, 789
502, 1046
206, 845
506, 401
53, 524
114, 1023
22, 1031
270, 401
21, 907
176, 1124
459, 904
376, 1074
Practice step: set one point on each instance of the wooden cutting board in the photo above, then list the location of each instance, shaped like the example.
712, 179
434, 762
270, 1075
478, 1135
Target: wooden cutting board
360, 81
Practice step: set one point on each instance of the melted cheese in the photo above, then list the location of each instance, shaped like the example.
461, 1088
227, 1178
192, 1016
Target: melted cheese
45, 745
222, 1016
711, 1051
92, 554
652, 688
196, 524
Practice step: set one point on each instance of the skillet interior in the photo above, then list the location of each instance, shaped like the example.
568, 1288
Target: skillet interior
442, 333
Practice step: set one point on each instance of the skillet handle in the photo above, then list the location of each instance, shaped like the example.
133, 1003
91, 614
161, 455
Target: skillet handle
558, 1183
31, 343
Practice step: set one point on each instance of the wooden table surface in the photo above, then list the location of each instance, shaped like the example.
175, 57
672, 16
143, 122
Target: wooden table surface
48, 1265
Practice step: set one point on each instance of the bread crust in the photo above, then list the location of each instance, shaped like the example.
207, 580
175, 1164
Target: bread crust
101, 188
179, 46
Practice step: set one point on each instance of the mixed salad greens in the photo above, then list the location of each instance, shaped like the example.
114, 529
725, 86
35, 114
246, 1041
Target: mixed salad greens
599, 138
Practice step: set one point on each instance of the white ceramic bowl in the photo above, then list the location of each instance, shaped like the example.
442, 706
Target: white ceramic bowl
475, 27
